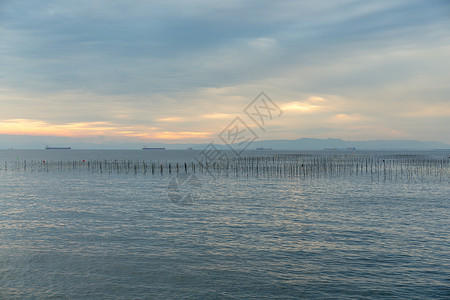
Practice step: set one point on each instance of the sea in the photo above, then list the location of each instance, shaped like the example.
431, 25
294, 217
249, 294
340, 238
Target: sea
71, 233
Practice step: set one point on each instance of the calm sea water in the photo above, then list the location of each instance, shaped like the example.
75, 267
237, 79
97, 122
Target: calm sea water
81, 235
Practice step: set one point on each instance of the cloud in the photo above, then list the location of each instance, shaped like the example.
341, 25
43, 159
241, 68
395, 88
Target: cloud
430, 110
263, 43
311, 105
298, 106
218, 116
349, 118
92, 129
185, 66
171, 119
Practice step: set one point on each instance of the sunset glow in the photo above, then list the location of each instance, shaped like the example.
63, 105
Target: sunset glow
181, 72
87, 129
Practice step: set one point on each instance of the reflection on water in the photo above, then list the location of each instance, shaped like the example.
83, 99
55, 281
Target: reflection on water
117, 235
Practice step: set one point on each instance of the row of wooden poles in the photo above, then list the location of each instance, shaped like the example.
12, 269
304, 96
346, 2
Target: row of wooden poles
287, 165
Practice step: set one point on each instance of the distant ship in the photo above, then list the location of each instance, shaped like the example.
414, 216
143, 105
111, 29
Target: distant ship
263, 148
147, 148
57, 148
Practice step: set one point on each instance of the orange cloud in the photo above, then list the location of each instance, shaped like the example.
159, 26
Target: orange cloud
170, 119
86, 129
218, 116
348, 118
169, 135
311, 104
299, 106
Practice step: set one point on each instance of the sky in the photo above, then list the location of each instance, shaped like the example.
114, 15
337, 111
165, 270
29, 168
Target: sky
182, 71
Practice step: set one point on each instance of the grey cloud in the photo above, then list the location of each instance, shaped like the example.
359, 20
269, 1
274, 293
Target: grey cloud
139, 50
111, 46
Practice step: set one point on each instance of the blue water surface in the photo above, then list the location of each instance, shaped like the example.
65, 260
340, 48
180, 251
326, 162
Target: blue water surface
81, 235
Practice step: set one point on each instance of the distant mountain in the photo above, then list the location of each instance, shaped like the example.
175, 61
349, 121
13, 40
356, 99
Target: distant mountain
39, 142
319, 144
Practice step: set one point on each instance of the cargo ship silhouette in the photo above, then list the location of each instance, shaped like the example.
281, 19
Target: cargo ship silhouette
148, 148
57, 148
